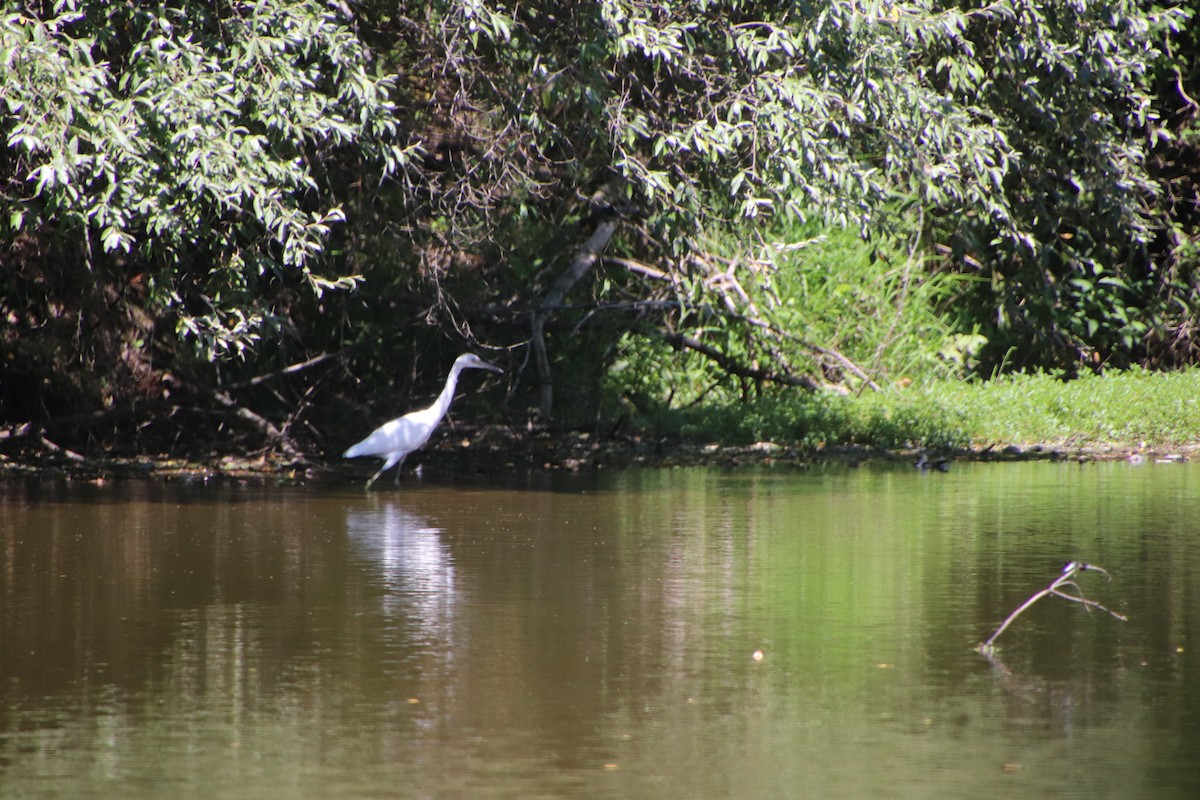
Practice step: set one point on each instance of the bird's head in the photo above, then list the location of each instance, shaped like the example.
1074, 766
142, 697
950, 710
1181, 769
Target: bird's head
472, 361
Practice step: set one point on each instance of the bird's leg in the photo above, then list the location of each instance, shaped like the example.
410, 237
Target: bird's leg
399, 464
367, 488
392, 461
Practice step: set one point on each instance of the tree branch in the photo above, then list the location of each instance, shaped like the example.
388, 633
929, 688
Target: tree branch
288, 370
268, 429
683, 342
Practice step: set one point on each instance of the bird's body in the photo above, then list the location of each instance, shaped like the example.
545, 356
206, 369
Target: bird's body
924, 463
394, 440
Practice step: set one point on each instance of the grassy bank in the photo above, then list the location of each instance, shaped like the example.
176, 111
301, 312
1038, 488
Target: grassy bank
1128, 409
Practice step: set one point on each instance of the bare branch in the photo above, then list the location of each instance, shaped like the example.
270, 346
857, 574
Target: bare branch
1066, 578
289, 370
639, 268
681, 341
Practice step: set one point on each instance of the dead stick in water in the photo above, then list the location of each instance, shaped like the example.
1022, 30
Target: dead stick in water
1067, 578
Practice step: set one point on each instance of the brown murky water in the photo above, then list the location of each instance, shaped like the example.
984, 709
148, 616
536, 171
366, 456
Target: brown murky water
645, 634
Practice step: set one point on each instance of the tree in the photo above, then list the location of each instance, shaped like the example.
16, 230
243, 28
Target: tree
173, 173
1080, 276
555, 175
680, 119
1013, 135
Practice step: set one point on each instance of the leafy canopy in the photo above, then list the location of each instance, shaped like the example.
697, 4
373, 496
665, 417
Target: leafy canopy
1014, 134
220, 156
200, 142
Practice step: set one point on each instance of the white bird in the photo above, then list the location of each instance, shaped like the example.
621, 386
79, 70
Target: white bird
394, 440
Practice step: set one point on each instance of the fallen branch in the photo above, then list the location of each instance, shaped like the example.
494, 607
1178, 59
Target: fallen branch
828, 352
725, 284
62, 451
681, 342
1067, 578
264, 425
36, 430
18, 430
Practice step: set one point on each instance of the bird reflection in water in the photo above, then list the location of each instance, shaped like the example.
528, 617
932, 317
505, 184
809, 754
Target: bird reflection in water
415, 566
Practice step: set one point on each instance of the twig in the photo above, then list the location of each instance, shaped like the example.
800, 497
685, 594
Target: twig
1179, 86
1067, 578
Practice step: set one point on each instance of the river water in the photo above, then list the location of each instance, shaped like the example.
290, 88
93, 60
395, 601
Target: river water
686, 633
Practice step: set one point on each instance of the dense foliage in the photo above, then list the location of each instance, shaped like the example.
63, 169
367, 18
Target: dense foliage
1094, 268
846, 193
174, 170
1014, 142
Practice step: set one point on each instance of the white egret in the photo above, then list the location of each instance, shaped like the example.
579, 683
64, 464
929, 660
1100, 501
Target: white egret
394, 440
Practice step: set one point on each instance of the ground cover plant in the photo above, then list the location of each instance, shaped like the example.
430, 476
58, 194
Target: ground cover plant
1126, 410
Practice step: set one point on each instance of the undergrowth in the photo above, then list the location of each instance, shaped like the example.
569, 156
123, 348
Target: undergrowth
1120, 408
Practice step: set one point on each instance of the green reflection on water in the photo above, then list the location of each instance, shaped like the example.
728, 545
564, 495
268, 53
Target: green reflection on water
596, 636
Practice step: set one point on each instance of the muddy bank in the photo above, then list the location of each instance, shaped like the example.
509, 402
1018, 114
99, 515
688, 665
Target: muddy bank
499, 449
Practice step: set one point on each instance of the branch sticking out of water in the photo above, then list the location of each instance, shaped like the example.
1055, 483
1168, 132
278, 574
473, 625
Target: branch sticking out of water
1066, 579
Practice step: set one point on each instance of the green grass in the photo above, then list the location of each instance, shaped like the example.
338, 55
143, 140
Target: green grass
1127, 408
1120, 407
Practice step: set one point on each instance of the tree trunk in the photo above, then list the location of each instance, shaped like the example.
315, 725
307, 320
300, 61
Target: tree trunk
585, 257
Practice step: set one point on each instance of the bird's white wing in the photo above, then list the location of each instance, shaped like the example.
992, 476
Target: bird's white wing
402, 435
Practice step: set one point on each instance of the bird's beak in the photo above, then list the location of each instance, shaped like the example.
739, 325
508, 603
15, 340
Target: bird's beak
492, 367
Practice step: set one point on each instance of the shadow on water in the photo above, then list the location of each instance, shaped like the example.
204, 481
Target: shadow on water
657, 633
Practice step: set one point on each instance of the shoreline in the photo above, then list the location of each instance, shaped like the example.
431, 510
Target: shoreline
499, 449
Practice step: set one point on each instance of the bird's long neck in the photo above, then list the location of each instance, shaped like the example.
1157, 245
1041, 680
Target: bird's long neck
442, 404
